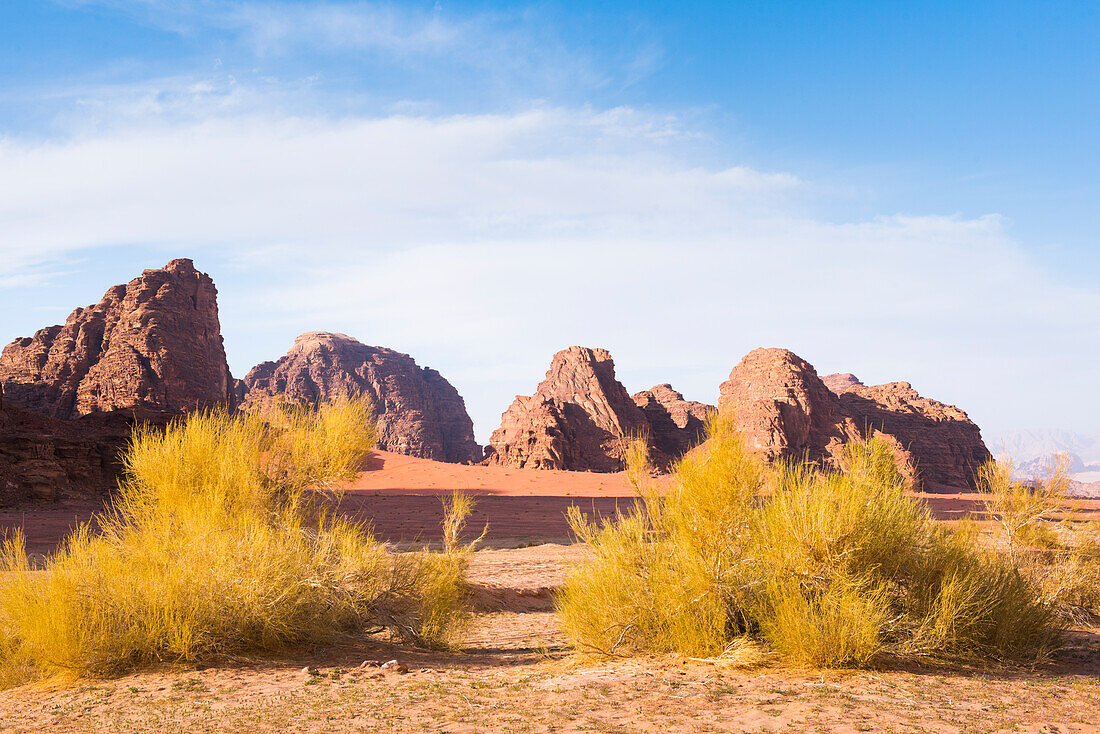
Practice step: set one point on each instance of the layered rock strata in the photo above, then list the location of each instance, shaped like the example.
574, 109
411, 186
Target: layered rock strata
787, 412
419, 412
154, 343
576, 420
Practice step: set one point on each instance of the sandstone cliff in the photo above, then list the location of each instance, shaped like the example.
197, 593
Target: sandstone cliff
675, 425
945, 447
576, 419
787, 412
419, 412
45, 459
153, 343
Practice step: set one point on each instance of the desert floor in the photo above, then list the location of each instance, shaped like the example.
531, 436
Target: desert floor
516, 673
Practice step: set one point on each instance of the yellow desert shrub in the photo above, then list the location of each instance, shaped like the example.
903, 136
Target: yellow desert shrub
218, 543
668, 577
826, 569
1061, 556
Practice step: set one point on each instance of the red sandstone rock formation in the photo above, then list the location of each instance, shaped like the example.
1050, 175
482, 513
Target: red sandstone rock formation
787, 412
45, 459
784, 409
576, 419
419, 412
945, 446
153, 343
840, 382
675, 425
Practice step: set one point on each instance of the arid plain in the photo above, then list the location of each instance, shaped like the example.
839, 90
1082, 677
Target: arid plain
150, 353
516, 671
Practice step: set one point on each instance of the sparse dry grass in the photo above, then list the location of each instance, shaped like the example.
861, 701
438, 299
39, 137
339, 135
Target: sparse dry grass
220, 543
827, 569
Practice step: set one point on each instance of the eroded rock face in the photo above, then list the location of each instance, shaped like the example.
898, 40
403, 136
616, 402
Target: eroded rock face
784, 409
576, 419
154, 343
945, 447
841, 381
419, 412
675, 425
787, 412
46, 459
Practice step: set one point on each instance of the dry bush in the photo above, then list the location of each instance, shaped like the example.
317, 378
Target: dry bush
828, 569
435, 613
218, 545
667, 578
1070, 573
1020, 508
1062, 557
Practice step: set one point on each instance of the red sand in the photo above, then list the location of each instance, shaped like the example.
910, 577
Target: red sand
400, 497
389, 472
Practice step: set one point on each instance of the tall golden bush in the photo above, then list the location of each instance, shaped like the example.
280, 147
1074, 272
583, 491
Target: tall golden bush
221, 541
825, 569
1037, 524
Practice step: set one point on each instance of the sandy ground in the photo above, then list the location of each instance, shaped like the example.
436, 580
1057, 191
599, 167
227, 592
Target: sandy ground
399, 496
516, 673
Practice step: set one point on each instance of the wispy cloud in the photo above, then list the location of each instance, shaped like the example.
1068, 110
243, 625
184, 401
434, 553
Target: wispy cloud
320, 198
523, 50
380, 182
280, 28
498, 238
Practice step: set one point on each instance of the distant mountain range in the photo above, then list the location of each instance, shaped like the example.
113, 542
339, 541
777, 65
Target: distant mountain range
1033, 452
1027, 445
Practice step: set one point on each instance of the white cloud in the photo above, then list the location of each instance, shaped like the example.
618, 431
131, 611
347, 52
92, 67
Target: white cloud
279, 27
483, 243
522, 48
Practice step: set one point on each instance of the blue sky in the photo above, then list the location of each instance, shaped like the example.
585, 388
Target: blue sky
901, 190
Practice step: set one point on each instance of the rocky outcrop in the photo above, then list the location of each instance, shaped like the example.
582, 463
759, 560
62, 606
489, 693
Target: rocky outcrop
841, 381
576, 419
787, 412
783, 409
945, 445
45, 459
419, 412
675, 425
154, 343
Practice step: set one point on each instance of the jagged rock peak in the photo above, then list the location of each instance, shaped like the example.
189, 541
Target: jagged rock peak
153, 343
575, 420
841, 381
419, 412
675, 425
787, 412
